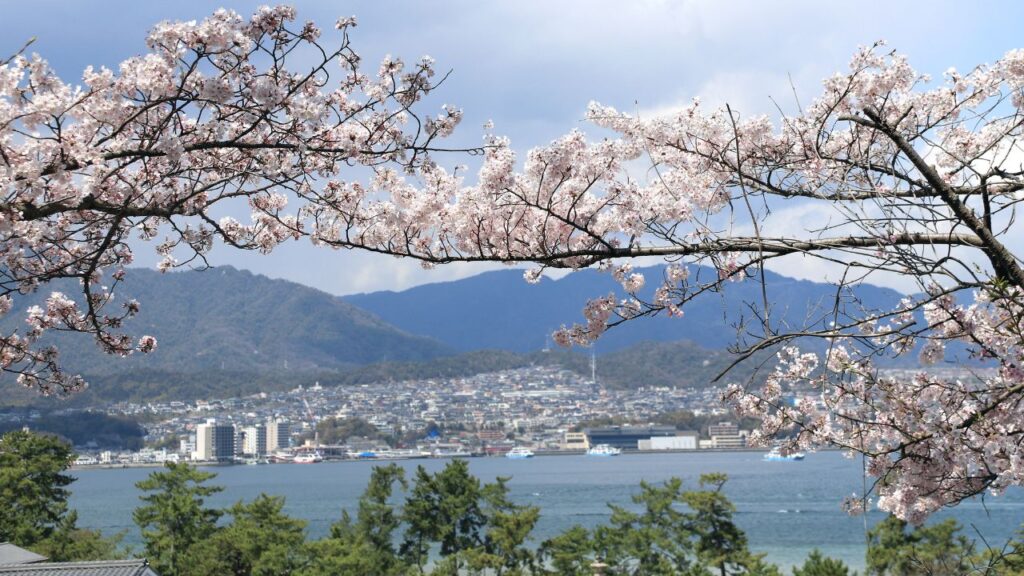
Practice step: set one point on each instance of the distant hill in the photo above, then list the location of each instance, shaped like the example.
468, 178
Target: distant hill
227, 332
500, 310
231, 320
682, 364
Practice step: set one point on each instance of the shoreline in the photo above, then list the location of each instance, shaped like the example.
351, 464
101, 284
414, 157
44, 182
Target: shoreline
540, 453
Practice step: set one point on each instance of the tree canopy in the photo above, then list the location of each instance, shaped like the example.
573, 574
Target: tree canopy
34, 495
174, 515
33, 486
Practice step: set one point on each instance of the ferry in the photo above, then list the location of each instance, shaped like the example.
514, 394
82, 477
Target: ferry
604, 450
775, 455
281, 458
519, 453
459, 453
401, 454
308, 458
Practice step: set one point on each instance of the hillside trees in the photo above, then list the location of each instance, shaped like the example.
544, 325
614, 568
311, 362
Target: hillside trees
910, 181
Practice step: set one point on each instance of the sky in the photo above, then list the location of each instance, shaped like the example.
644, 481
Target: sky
532, 66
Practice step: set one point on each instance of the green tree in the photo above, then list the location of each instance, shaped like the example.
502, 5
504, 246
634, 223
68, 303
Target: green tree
442, 508
69, 543
33, 494
1009, 561
419, 516
365, 545
894, 549
817, 564
653, 542
508, 528
717, 541
260, 541
174, 517
569, 553
677, 532
474, 526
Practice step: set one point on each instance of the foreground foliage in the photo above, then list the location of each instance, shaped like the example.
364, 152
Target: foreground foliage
444, 523
33, 500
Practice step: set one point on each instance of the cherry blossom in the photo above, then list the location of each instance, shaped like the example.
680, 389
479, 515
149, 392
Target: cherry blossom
912, 178
226, 108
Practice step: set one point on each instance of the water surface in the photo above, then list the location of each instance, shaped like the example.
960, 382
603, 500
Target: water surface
786, 508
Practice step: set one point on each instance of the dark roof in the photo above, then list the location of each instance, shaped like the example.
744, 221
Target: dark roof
11, 554
103, 568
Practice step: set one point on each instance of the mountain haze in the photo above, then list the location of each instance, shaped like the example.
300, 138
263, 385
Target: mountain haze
500, 310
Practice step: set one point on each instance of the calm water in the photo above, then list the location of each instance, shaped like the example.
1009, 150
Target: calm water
786, 508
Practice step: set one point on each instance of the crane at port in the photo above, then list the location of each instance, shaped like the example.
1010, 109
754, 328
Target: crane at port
313, 422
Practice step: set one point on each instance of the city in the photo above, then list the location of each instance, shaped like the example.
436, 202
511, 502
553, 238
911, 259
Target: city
544, 408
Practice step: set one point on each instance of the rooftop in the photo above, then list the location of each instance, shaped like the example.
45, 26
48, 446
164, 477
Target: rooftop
102, 568
11, 554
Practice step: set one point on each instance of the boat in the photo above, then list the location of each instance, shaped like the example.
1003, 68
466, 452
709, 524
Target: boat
460, 453
776, 455
281, 458
604, 450
519, 453
401, 454
308, 458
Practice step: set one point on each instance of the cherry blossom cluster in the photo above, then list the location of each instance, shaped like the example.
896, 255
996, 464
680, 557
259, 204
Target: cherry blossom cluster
228, 110
929, 442
913, 178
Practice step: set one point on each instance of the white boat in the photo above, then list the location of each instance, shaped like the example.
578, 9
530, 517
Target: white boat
519, 453
308, 458
604, 450
450, 454
776, 455
281, 458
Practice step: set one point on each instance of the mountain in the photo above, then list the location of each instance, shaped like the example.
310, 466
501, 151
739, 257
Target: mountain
682, 364
227, 332
500, 310
231, 320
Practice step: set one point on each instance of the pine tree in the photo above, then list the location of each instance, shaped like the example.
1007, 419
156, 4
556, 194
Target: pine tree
33, 486
174, 516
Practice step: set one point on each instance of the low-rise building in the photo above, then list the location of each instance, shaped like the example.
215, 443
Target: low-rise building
681, 441
626, 437
575, 441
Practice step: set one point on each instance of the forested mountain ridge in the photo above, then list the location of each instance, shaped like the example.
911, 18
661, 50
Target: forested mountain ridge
682, 364
232, 320
226, 332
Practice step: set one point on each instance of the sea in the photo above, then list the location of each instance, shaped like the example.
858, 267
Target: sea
786, 509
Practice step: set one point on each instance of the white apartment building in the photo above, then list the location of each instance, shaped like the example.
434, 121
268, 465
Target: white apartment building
205, 445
